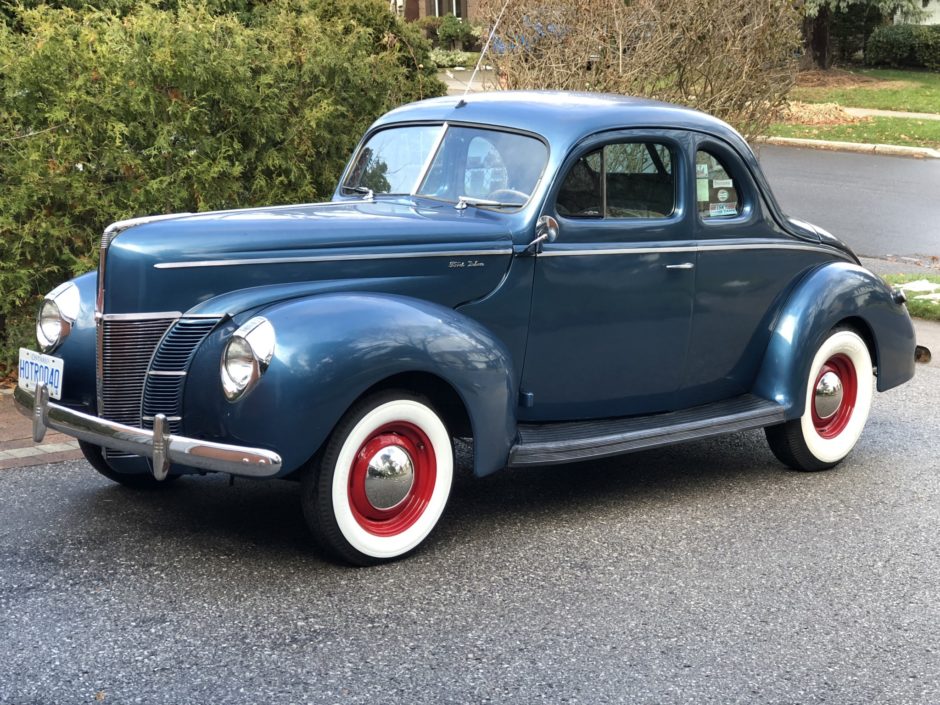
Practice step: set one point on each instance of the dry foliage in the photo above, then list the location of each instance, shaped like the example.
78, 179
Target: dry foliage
798, 113
735, 59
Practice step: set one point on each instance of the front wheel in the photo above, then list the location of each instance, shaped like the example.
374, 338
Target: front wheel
838, 399
382, 481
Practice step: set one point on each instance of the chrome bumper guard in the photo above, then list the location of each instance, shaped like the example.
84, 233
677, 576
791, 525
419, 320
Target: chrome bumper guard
162, 448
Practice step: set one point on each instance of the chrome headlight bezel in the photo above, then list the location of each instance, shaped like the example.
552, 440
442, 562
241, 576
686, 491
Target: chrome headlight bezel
56, 315
246, 357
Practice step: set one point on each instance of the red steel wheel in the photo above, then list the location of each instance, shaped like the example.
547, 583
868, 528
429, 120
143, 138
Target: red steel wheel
383, 481
834, 396
392, 479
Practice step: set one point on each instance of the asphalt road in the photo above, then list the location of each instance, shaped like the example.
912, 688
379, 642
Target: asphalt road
879, 205
704, 573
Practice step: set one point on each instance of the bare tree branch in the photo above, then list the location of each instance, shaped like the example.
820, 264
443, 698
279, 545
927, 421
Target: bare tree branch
735, 59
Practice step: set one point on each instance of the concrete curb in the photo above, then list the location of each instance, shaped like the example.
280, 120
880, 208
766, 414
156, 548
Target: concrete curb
862, 148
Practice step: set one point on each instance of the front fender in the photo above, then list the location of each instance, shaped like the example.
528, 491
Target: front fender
330, 349
78, 350
829, 295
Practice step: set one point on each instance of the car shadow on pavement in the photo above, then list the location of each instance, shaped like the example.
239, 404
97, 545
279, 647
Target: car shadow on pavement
264, 519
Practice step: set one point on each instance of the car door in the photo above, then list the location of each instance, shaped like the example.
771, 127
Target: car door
747, 265
612, 296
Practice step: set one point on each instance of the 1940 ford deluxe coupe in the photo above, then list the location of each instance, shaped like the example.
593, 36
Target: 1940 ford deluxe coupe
557, 276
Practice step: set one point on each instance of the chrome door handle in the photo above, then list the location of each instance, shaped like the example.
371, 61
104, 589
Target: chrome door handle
684, 265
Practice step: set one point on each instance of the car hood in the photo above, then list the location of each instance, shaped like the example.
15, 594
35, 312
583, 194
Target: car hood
180, 262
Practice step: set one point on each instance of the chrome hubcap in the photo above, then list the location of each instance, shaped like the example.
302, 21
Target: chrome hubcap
389, 477
828, 395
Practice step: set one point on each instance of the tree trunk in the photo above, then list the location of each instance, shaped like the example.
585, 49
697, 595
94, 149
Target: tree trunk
819, 40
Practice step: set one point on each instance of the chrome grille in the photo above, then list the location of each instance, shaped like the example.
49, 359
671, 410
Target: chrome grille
127, 344
163, 390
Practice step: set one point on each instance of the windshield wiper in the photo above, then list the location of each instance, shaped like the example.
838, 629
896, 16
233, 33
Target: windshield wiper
367, 194
464, 201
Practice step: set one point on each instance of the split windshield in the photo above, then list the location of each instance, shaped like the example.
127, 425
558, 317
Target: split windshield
449, 162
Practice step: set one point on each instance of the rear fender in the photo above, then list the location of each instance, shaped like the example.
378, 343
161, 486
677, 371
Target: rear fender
330, 350
832, 294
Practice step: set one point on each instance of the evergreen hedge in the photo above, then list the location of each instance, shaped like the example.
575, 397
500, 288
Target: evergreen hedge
115, 113
905, 45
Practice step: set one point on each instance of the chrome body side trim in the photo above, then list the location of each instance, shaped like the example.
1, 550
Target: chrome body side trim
330, 258
693, 248
191, 452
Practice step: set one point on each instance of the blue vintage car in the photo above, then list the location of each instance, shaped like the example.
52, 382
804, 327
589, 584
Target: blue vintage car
560, 277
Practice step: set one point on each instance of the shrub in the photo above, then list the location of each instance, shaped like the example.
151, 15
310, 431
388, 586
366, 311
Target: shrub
429, 25
904, 45
454, 32
928, 50
103, 118
851, 27
445, 59
892, 45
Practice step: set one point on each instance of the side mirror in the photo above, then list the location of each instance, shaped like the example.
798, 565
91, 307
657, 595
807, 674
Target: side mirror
546, 230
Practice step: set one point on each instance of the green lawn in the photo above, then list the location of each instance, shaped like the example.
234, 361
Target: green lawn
900, 131
915, 91
919, 308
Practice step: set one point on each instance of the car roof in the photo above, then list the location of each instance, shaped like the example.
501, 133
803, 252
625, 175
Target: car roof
562, 117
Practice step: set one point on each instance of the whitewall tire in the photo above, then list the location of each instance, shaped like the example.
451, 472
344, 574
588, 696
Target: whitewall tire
839, 390
383, 480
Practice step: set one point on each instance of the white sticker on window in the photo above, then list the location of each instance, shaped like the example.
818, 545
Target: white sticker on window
722, 195
723, 183
701, 170
719, 209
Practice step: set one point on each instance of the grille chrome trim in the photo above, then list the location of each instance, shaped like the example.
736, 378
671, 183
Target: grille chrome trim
139, 316
162, 391
125, 349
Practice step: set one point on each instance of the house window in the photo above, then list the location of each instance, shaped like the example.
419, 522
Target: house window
439, 8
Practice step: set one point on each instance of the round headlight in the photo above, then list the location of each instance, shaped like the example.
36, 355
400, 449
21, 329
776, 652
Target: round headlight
246, 356
238, 367
49, 325
58, 311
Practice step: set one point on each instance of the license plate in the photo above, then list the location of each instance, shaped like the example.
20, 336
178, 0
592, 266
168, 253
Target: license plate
37, 368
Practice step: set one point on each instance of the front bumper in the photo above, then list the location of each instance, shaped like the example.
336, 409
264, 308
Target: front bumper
162, 448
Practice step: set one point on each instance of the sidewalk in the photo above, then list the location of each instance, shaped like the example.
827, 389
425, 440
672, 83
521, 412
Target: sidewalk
17, 449
872, 112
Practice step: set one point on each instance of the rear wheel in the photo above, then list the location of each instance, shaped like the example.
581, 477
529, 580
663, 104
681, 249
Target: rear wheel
838, 399
135, 481
382, 481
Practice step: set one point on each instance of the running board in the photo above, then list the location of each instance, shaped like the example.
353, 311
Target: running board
553, 443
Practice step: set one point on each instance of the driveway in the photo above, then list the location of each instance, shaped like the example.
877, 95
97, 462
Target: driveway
704, 573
